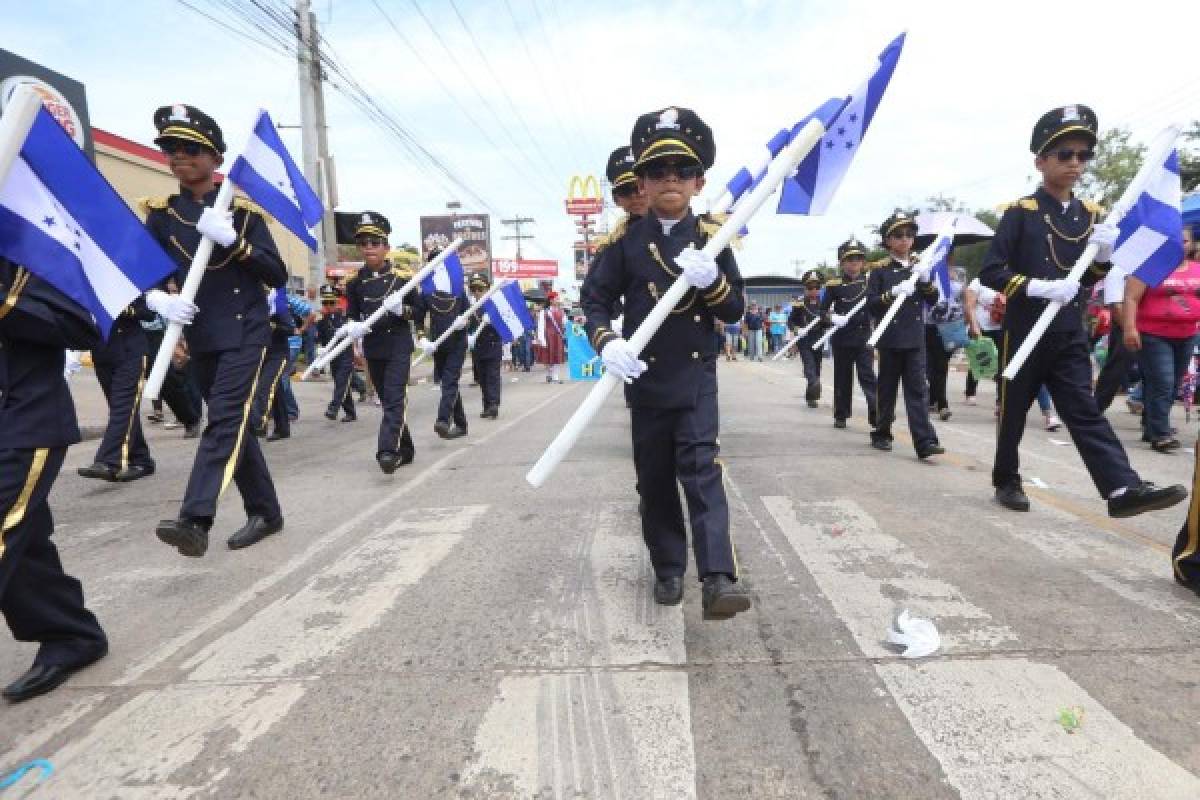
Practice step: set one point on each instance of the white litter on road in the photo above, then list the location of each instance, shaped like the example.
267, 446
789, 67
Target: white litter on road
917, 636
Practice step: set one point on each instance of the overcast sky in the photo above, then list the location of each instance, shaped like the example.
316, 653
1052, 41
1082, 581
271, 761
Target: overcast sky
530, 92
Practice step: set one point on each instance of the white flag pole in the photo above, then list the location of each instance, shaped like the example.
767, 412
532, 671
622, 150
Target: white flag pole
922, 270
1154, 160
801, 145
20, 112
471, 309
820, 343
191, 285
800, 335
335, 350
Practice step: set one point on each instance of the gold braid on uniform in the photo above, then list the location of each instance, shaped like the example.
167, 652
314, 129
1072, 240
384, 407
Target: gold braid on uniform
14, 292
690, 296
439, 309
616, 233
709, 224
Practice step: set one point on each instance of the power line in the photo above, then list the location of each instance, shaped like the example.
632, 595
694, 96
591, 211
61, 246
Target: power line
545, 90
520, 173
537, 146
536, 169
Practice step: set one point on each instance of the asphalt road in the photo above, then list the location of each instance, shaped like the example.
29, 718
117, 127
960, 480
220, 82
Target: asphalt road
449, 632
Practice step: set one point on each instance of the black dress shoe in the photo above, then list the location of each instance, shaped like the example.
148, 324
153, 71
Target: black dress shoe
42, 678
388, 461
331, 414
191, 431
1145, 497
839, 423
441, 428
668, 591
276, 436
187, 536
133, 472
349, 418
98, 471
722, 598
1012, 497
880, 443
406, 459
928, 450
255, 530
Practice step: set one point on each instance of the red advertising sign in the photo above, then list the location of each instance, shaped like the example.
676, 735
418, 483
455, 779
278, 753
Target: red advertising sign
525, 268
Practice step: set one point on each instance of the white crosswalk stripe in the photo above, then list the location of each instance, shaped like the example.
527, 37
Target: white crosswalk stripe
988, 722
597, 726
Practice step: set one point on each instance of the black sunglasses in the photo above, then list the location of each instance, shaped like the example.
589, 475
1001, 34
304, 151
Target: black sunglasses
684, 172
1066, 154
172, 146
371, 241
903, 233
628, 190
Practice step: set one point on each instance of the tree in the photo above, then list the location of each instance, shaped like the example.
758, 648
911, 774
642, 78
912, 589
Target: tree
1189, 158
1112, 169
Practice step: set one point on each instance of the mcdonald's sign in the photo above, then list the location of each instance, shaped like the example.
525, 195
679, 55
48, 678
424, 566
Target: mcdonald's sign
583, 196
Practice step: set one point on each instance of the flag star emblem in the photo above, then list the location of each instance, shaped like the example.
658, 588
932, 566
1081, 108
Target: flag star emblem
829, 144
853, 117
49, 222
849, 144
842, 131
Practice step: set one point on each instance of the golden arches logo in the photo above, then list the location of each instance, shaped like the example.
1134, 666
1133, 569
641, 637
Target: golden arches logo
584, 187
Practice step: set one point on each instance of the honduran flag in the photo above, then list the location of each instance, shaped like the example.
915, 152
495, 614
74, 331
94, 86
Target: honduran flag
448, 278
266, 172
61, 220
508, 313
1150, 245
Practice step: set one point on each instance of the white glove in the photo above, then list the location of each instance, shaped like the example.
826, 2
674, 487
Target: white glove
699, 270
172, 307
217, 226
839, 320
356, 329
394, 303
905, 288
322, 350
620, 360
1063, 291
471, 337
1104, 236
460, 323
426, 345
73, 363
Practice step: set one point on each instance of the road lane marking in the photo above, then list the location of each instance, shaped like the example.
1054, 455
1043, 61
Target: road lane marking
989, 722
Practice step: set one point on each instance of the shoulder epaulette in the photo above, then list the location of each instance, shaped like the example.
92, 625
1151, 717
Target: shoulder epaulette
145, 204
246, 204
710, 223
833, 282
616, 233
1093, 207
401, 272
1027, 203
883, 262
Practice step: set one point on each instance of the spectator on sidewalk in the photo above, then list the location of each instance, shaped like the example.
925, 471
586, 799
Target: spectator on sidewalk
754, 331
1160, 325
778, 322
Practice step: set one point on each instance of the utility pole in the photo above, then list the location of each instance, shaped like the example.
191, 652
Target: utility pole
327, 190
310, 80
516, 223
797, 266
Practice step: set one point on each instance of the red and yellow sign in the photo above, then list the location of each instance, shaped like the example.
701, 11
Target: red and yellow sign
583, 196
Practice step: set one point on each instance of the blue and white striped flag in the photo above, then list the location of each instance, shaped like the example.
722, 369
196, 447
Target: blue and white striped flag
60, 219
508, 313
265, 171
940, 271
447, 278
1150, 245
810, 190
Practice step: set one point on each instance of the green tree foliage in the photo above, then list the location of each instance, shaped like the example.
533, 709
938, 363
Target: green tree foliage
1116, 162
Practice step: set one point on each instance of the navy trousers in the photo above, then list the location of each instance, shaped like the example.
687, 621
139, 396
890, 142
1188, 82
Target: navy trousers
1061, 361
904, 367
228, 450
390, 377
123, 443
40, 602
678, 447
448, 364
847, 361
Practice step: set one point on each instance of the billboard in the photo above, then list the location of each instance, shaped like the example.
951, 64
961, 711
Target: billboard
64, 98
473, 229
525, 268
